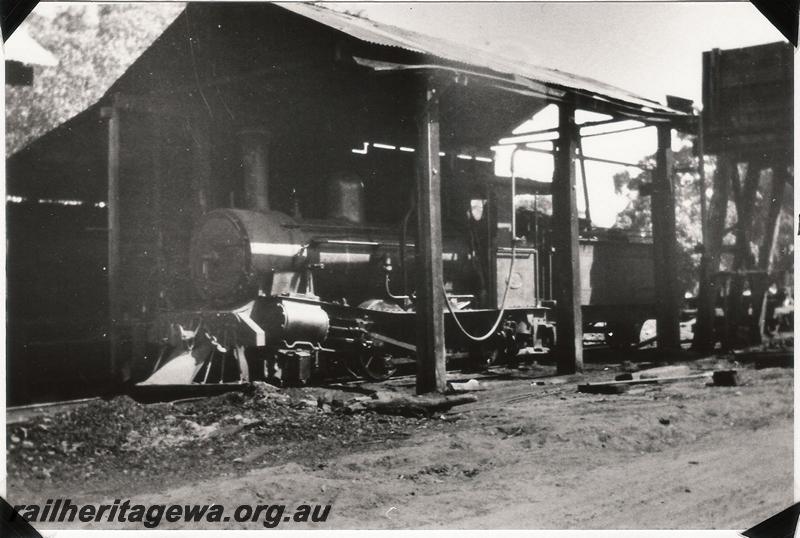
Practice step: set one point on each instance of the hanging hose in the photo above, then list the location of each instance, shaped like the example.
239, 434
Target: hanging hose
585, 186
496, 324
403, 233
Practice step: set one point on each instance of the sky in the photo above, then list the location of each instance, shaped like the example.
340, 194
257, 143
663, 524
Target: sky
649, 48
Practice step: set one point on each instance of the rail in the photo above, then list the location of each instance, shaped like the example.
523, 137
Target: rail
21, 413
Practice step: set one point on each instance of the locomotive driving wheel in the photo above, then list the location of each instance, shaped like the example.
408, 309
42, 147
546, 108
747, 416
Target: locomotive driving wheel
375, 363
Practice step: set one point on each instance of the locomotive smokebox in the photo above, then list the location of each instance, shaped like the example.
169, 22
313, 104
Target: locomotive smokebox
234, 253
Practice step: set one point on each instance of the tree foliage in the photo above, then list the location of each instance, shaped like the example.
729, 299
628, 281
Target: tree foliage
686, 180
94, 45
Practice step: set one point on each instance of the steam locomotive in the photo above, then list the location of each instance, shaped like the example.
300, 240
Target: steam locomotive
245, 200
291, 299
297, 298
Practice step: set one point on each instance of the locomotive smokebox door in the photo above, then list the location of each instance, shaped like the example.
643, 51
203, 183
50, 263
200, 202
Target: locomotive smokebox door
234, 250
521, 279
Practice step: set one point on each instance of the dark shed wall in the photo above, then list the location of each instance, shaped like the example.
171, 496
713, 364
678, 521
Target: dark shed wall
221, 68
247, 66
66, 163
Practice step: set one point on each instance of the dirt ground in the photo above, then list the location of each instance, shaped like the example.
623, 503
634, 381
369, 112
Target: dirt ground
682, 455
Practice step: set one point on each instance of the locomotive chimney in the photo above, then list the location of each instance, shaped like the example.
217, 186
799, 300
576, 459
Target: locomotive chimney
255, 163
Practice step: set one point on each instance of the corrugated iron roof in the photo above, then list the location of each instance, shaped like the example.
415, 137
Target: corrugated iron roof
391, 36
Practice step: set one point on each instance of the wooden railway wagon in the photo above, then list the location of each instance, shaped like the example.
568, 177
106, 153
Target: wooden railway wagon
262, 164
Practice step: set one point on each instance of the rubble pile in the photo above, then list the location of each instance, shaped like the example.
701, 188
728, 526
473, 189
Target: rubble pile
234, 431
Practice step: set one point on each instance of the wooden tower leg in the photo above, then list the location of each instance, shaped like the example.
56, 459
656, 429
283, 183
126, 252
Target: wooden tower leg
770, 239
744, 194
709, 264
111, 114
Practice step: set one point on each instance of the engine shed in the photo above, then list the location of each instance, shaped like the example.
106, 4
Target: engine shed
278, 107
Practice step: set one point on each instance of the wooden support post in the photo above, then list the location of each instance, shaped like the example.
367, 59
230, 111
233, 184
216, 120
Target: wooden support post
767, 248
430, 296
566, 277
114, 306
157, 209
744, 198
712, 249
768, 242
664, 246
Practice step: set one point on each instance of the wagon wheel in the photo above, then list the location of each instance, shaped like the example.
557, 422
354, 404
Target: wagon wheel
511, 349
478, 359
482, 355
499, 349
623, 335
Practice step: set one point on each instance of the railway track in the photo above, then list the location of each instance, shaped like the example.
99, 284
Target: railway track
21, 413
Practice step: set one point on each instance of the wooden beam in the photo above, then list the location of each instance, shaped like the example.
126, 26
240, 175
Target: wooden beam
112, 115
780, 175
701, 168
431, 374
744, 198
664, 246
712, 250
566, 277
554, 130
604, 387
174, 108
534, 149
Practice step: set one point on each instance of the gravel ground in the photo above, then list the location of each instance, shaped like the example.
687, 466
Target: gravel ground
532, 452
123, 441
